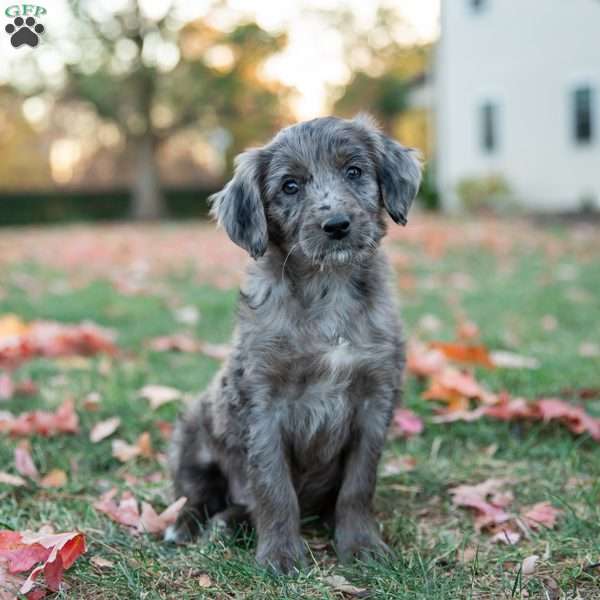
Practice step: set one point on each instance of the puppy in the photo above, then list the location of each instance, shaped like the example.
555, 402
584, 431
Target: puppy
295, 421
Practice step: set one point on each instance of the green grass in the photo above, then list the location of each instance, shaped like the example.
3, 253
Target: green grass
507, 296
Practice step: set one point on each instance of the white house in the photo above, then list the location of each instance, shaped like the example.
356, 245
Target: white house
518, 95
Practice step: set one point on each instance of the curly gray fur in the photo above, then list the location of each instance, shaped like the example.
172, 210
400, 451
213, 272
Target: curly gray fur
295, 421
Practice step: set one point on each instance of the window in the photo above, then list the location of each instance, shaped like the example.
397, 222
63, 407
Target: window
583, 115
477, 5
489, 127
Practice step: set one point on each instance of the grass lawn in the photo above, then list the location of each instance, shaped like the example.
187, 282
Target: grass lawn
531, 291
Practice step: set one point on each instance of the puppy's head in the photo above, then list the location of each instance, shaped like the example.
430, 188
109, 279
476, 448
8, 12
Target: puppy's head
319, 189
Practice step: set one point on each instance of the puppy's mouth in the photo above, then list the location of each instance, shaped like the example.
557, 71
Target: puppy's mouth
334, 253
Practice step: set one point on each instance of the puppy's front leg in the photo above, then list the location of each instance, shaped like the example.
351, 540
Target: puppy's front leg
276, 512
356, 531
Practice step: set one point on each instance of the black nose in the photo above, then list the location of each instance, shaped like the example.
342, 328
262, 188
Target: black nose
337, 227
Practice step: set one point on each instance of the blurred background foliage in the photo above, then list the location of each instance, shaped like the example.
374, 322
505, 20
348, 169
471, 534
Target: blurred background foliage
145, 113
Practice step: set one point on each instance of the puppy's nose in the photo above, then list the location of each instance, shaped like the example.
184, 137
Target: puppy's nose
337, 226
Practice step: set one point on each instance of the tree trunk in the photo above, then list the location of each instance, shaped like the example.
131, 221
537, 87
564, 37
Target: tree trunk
148, 201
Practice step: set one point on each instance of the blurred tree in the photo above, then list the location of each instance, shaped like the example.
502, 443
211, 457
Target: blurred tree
382, 67
153, 78
24, 159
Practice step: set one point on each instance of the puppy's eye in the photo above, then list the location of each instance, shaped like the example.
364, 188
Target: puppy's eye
353, 172
290, 187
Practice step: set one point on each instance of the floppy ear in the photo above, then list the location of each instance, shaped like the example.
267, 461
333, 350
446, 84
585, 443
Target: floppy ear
239, 209
398, 171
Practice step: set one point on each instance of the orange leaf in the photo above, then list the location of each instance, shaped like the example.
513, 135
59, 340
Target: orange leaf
55, 478
465, 353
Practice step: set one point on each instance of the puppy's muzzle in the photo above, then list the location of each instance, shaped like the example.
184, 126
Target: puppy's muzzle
337, 226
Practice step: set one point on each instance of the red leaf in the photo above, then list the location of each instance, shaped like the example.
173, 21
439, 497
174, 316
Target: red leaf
21, 342
541, 514
55, 552
7, 387
20, 557
574, 417
407, 423
64, 420
475, 496
127, 513
423, 361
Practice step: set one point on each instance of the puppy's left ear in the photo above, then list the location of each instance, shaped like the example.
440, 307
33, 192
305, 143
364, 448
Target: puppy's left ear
399, 171
239, 209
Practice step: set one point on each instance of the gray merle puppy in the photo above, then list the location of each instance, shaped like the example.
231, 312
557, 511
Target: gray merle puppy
295, 421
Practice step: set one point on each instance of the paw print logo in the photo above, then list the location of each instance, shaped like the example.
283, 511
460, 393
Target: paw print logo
24, 31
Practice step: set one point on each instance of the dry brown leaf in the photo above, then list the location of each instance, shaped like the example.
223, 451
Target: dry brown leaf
56, 478
528, 565
510, 360
127, 512
24, 462
204, 580
126, 452
341, 584
158, 395
14, 480
542, 514
104, 429
398, 464
101, 563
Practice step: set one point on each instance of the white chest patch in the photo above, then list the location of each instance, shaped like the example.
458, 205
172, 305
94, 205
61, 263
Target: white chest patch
343, 356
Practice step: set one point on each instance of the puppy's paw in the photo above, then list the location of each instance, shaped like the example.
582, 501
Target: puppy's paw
173, 535
360, 544
282, 556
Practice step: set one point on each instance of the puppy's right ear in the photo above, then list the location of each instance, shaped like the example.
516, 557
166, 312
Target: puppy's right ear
238, 206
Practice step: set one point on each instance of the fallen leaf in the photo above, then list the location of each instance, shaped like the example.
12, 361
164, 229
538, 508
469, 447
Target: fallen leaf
574, 417
127, 512
510, 360
126, 452
165, 428
7, 387
158, 395
64, 420
9, 584
465, 353
406, 423
20, 342
467, 330
204, 580
24, 462
187, 315
542, 514
528, 565
179, 342
14, 480
423, 361
56, 478
104, 429
488, 513
398, 464
101, 563
467, 555
55, 552
341, 584
92, 402
510, 537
